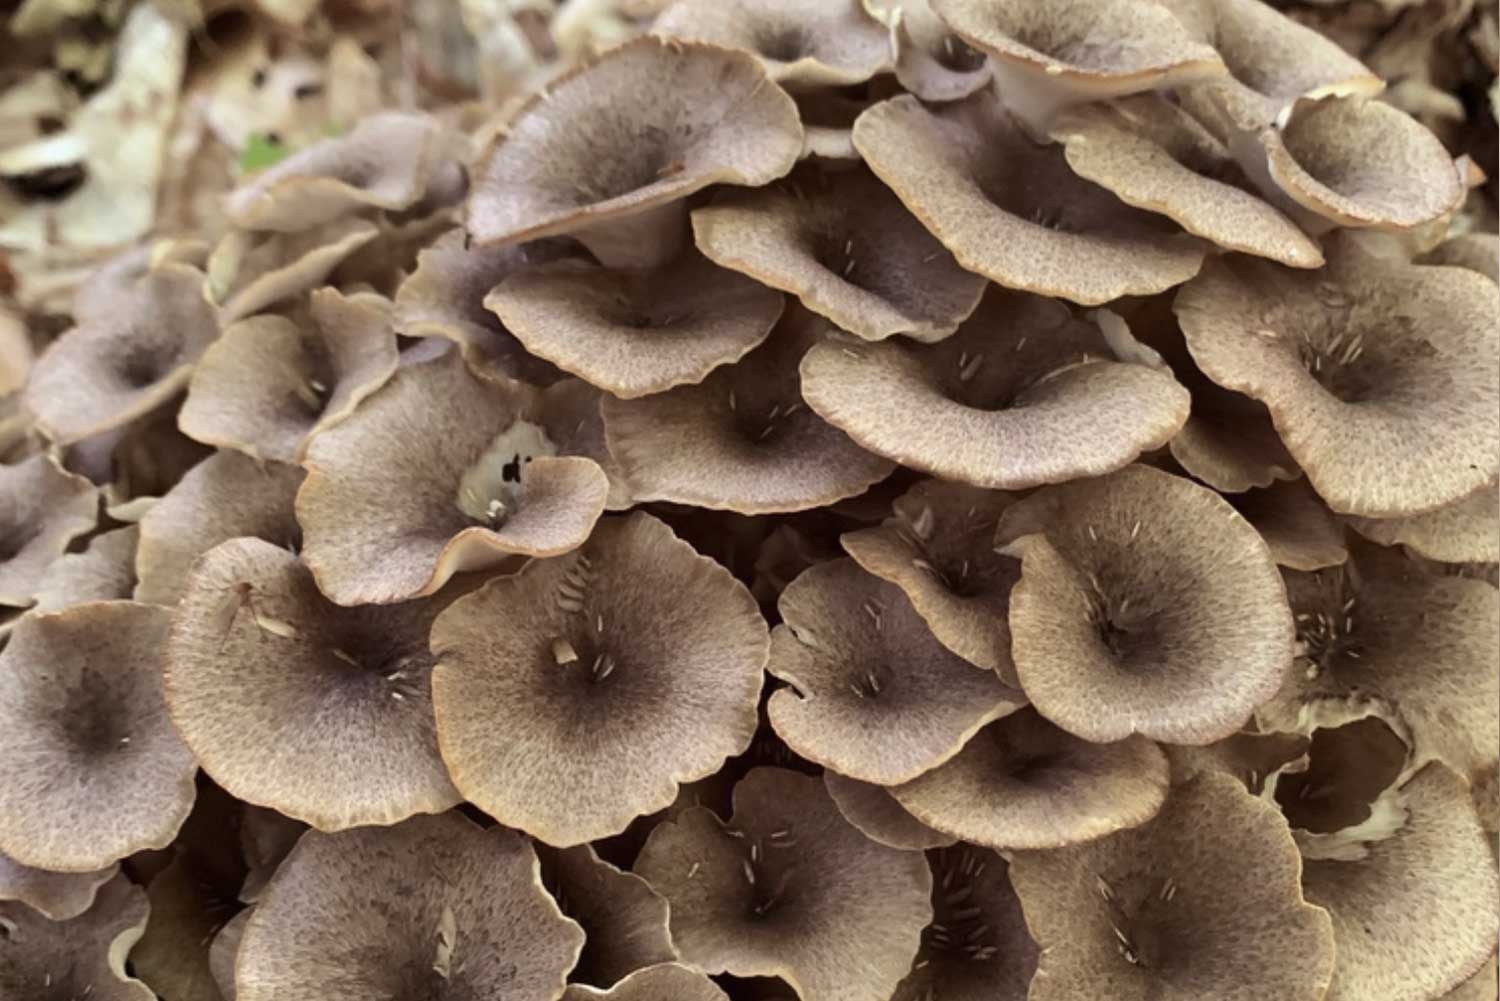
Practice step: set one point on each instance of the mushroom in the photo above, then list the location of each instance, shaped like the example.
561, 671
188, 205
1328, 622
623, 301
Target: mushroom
1466, 531
1338, 780
847, 248
97, 770
104, 571
1423, 886
937, 548
1382, 377
270, 383
873, 810
607, 153
1022, 783
118, 366
977, 947
438, 472
172, 957
571, 414
1153, 156
742, 439
444, 297
226, 496
58, 896
224, 952
633, 332
433, 905
789, 889
1476, 251
931, 61
1203, 899
266, 839
1011, 210
1249, 756
571, 722
1051, 54
81, 957
1146, 605
1298, 528
249, 272
871, 694
42, 509
664, 980
292, 702
801, 43
388, 161
1024, 394
624, 921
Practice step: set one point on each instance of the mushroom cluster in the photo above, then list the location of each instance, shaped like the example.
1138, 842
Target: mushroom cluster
845, 500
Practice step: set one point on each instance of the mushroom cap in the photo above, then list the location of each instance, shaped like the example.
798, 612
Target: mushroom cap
1382, 378
647, 123
433, 475
42, 509
1201, 901
804, 43
1337, 782
224, 952
742, 439
574, 720
58, 896
250, 271
847, 248
226, 496
292, 702
873, 810
1360, 162
1146, 605
116, 367
104, 571
83, 956
571, 413
624, 921
444, 297
387, 161
1297, 526
1480, 987
266, 839
789, 889
1022, 395
1152, 156
172, 957
1022, 783
931, 61
1011, 210
1466, 531
634, 332
269, 383
663, 980
937, 547
1249, 757
872, 694
977, 947
433, 905
1429, 889
1476, 251
97, 772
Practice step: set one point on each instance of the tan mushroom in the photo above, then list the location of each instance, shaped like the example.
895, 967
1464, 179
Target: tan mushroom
788, 889
743, 439
250, 271
1011, 210
1422, 883
1024, 394
438, 472
1466, 531
42, 509
98, 772
81, 957
1022, 783
58, 896
121, 365
931, 61
224, 952
847, 248
1201, 901
1250, 757
873, 810
432, 905
1382, 377
270, 382
1476, 251
871, 693
624, 921
1298, 528
607, 153
977, 947
1337, 782
104, 571
801, 43
1051, 54
1146, 605
292, 702
172, 957
633, 332
632, 665
664, 980
226, 496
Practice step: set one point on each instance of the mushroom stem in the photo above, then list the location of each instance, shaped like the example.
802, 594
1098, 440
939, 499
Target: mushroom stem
646, 239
